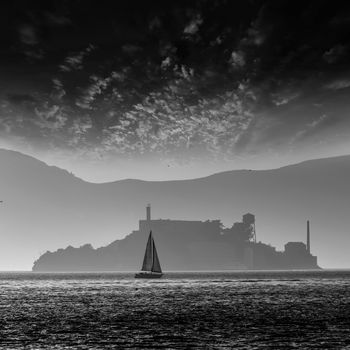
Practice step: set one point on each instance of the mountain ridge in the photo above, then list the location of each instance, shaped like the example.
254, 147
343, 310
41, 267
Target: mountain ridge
304, 162
46, 209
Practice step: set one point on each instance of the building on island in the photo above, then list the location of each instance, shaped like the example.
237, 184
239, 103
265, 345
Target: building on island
237, 246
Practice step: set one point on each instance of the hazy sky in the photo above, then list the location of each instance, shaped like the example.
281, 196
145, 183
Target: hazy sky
174, 89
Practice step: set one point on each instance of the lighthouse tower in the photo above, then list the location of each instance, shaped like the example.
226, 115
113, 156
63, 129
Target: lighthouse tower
308, 237
148, 213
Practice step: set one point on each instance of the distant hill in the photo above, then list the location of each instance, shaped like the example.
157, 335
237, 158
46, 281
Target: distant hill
47, 208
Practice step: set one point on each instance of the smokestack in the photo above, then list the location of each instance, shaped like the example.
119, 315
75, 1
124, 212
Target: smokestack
308, 237
148, 212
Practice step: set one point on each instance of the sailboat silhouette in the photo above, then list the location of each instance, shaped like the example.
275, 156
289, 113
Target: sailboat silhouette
151, 266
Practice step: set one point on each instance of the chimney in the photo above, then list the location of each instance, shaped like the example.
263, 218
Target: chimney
148, 212
308, 237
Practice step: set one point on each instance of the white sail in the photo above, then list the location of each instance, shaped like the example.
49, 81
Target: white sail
148, 259
156, 265
151, 260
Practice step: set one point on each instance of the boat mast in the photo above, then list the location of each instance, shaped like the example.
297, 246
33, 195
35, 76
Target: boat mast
152, 268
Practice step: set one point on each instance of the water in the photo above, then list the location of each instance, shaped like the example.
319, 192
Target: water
240, 310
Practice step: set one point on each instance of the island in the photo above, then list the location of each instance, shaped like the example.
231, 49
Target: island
185, 246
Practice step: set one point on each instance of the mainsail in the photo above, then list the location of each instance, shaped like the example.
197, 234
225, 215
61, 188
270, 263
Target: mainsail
151, 260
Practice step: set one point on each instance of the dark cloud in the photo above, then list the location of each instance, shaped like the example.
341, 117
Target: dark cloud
28, 34
18, 99
334, 54
57, 19
173, 78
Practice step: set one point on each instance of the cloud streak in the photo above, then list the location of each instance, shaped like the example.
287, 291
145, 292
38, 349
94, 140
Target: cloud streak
75, 61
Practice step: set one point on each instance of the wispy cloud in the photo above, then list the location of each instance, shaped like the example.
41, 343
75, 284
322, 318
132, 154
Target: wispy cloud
75, 61
237, 59
193, 26
79, 130
165, 124
308, 128
280, 99
50, 117
338, 84
97, 87
59, 90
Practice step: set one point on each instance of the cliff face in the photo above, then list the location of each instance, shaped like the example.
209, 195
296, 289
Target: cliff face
181, 246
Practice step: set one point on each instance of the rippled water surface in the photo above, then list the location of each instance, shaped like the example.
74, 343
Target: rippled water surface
254, 310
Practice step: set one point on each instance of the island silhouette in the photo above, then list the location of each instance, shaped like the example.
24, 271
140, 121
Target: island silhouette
185, 246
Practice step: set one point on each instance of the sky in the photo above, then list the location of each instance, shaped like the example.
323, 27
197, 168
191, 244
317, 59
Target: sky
174, 89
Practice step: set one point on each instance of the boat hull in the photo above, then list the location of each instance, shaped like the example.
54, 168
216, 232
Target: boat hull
148, 275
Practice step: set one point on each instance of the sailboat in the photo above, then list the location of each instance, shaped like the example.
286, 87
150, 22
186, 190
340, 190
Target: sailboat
151, 266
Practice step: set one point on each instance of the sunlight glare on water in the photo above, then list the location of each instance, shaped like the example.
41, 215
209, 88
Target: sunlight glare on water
241, 310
